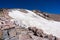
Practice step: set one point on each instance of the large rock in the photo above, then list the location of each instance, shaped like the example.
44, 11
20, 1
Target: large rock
51, 37
5, 34
12, 33
24, 37
38, 38
34, 29
1, 34
18, 31
39, 32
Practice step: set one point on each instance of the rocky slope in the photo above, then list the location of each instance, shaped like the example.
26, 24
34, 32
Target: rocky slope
22, 24
10, 31
55, 17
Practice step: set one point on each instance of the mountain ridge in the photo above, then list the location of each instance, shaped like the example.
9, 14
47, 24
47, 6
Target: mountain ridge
48, 16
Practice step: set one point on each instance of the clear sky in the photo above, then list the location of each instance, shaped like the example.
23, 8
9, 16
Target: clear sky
50, 6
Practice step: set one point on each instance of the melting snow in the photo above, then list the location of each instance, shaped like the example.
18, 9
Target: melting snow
30, 19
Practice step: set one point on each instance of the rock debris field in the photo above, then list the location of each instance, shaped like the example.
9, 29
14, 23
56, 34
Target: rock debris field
10, 31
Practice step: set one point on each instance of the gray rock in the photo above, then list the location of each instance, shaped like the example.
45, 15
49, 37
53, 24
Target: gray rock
5, 34
6, 39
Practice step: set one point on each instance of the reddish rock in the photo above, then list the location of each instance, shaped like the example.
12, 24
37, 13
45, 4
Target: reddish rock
5, 27
24, 37
1, 34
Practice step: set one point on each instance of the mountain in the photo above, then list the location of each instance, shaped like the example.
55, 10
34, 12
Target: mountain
55, 17
49, 23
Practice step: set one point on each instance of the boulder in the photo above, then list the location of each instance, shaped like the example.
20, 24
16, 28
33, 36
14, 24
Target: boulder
24, 37
5, 34
39, 32
1, 34
34, 29
12, 33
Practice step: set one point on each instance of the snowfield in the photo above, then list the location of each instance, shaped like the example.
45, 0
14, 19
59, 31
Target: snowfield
31, 19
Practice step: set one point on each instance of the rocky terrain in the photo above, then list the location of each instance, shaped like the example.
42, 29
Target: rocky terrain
10, 30
55, 17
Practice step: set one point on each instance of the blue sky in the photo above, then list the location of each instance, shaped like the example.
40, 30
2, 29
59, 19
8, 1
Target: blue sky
50, 6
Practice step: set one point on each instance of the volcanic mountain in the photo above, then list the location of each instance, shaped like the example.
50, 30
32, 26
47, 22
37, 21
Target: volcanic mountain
49, 23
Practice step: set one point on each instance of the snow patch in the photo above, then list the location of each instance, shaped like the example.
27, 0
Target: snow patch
32, 20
